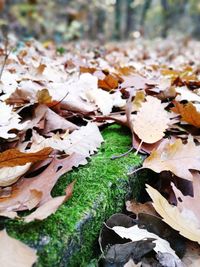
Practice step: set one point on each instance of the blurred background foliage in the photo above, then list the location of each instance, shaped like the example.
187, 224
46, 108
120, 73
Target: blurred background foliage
103, 20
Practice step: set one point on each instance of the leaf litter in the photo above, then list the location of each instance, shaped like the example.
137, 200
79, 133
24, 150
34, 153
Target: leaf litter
52, 108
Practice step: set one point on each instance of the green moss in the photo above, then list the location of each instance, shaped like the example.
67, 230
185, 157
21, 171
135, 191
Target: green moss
98, 192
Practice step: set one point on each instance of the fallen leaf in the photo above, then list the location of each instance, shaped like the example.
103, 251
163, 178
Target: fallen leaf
23, 192
176, 157
188, 113
186, 226
109, 82
135, 234
189, 205
186, 94
44, 97
50, 206
14, 253
135, 207
151, 121
13, 157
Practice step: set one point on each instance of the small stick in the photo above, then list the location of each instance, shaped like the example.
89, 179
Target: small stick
122, 155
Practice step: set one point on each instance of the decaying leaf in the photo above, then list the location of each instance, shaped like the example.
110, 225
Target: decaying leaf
135, 207
14, 253
135, 234
151, 121
173, 217
176, 157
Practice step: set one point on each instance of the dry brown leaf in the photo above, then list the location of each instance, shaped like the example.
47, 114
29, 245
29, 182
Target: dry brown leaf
151, 121
176, 157
23, 192
50, 206
173, 217
13, 253
136, 207
13, 157
188, 113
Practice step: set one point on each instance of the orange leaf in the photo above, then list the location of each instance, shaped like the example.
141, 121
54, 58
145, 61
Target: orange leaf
13, 157
109, 82
188, 113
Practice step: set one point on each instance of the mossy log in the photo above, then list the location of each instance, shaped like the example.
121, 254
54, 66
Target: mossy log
67, 238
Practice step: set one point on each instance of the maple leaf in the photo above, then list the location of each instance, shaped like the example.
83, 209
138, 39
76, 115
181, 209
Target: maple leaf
13, 157
176, 157
151, 121
14, 253
188, 113
173, 217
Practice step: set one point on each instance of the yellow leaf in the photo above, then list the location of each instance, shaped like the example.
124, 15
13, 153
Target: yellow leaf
173, 217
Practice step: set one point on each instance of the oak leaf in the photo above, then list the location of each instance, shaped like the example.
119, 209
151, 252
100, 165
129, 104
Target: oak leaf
50, 206
176, 157
151, 121
188, 113
24, 192
174, 217
13, 157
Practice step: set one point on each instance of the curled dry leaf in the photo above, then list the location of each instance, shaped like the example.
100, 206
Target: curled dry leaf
13, 157
176, 157
174, 217
151, 121
9, 175
188, 113
14, 253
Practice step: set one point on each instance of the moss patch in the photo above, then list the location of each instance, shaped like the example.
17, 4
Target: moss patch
67, 237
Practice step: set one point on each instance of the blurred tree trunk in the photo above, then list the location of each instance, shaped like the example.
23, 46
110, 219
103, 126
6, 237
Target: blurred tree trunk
100, 21
146, 6
166, 17
129, 17
118, 16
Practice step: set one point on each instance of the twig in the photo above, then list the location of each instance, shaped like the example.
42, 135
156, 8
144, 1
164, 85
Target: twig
122, 155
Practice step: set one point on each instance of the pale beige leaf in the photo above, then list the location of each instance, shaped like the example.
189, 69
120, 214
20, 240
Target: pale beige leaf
173, 217
176, 157
151, 121
14, 253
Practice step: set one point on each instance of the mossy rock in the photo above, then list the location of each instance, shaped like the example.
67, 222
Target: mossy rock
67, 238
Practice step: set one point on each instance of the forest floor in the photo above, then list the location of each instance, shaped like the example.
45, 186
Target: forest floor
88, 130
